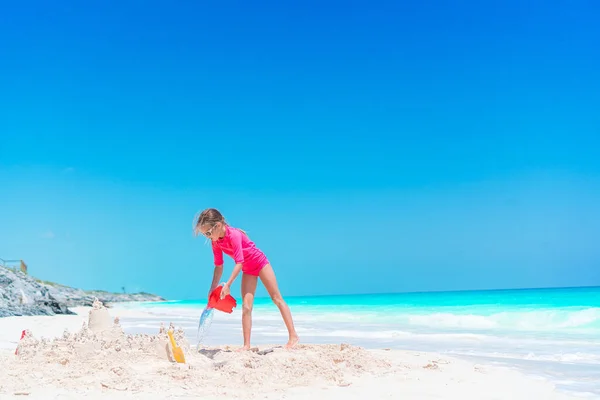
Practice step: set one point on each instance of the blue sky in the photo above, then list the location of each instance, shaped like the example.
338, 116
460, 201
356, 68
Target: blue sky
365, 147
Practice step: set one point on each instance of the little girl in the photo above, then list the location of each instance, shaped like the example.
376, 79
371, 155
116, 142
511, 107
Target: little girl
251, 261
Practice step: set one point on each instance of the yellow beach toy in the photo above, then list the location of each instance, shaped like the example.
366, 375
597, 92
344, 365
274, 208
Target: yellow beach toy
177, 351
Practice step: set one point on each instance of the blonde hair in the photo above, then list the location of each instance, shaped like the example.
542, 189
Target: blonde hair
210, 216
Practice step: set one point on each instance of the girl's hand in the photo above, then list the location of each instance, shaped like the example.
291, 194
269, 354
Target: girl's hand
225, 291
211, 290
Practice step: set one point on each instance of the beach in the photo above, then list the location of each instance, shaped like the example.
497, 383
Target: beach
123, 352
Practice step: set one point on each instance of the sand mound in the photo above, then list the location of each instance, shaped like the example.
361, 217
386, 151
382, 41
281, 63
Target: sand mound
303, 366
101, 356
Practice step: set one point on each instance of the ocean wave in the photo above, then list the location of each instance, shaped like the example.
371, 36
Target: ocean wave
535, 320
567, 319
549, 320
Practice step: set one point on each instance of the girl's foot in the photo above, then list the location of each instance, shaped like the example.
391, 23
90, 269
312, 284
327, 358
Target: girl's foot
244, 348
292, 342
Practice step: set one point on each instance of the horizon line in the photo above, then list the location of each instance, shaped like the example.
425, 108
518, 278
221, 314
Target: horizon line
418, 292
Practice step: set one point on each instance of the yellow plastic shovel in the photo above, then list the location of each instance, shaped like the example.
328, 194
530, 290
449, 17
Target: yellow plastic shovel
177, 352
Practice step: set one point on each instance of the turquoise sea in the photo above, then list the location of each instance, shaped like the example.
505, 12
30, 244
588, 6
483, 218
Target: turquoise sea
548, 333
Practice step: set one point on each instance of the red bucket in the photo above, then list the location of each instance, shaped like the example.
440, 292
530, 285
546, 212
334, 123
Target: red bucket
226, 304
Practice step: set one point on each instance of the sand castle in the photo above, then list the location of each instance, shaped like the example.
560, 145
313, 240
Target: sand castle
101, 338
101, 356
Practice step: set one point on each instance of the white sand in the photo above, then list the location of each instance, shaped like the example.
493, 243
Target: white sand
96, 359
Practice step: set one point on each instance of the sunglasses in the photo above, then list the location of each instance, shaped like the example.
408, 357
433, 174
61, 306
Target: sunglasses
208, 233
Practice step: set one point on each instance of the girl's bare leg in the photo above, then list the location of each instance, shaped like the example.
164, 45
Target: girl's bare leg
267, 276
249, 283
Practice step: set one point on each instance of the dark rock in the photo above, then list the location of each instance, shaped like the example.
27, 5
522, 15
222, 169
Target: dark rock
55, 306
21, 294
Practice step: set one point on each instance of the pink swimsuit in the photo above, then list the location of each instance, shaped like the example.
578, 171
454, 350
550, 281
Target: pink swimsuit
239, 247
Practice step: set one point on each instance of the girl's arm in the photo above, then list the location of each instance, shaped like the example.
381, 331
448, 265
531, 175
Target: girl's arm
217, 273
227, 287
234, 274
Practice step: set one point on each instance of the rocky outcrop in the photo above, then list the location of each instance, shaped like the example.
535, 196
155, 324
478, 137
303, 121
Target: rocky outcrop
21, 294
76, 297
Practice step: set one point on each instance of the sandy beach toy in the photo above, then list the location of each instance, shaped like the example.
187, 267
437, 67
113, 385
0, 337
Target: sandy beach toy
226, 304
177, 352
